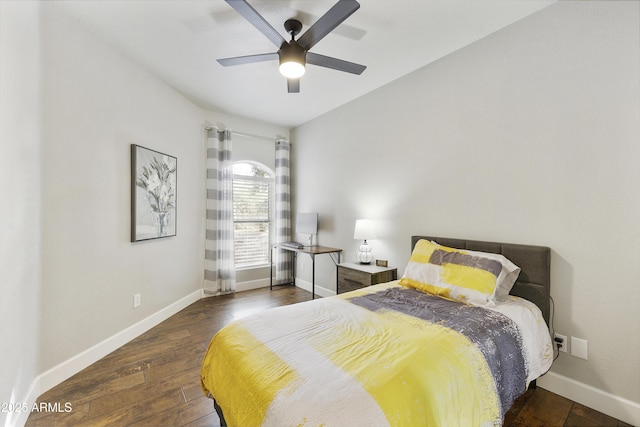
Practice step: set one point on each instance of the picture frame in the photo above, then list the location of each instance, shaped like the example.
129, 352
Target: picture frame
382, 263
154, 184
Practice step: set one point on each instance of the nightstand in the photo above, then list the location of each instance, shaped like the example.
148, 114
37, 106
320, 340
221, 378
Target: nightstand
356, 276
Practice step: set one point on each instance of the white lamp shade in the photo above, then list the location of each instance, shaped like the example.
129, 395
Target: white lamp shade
365, 229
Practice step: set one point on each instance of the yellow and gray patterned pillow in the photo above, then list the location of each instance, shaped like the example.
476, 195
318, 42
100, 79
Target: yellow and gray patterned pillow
471, 277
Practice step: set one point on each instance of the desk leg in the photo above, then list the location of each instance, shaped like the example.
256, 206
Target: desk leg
313, 276
337, 273
285, 252
293, 267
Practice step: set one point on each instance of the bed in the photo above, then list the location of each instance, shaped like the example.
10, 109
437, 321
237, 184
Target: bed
439, 347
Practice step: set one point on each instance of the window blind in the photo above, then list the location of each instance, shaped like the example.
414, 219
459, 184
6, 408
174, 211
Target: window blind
251, 217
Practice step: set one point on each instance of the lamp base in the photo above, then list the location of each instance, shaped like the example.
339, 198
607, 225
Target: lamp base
364, 254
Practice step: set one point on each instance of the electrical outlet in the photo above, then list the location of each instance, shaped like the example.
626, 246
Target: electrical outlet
137, 300
561, 339
580, 348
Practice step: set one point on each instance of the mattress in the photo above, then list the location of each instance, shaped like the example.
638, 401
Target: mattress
384, 355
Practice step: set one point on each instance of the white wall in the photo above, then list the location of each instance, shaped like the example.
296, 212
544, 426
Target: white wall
20, 206
97, 103
257, 139
530, 135
71, 107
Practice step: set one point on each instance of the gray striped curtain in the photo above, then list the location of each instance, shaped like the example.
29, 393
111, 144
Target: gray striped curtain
219, 270
282, 259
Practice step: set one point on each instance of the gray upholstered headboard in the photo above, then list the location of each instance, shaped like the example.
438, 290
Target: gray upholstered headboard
534, 281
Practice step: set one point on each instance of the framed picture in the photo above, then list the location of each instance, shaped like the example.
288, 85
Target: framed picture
153, 194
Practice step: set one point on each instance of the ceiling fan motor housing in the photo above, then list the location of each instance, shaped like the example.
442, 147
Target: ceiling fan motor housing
292, 51
293, 57
293, 27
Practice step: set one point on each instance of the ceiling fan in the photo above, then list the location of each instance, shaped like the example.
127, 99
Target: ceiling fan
294, 55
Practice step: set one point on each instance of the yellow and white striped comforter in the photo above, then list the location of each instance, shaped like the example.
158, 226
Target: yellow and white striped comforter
387, 355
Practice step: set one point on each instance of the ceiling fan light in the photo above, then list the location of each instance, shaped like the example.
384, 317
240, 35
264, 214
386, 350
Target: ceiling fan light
292, 69
292, 60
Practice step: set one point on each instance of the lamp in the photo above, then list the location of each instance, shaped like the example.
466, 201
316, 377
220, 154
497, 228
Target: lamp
365, 229
292, 60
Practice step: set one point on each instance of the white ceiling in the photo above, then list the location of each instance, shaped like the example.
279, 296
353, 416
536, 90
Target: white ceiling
179, 41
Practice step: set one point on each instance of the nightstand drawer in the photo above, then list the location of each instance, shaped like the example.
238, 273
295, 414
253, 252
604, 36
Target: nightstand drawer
350, 280
355, 276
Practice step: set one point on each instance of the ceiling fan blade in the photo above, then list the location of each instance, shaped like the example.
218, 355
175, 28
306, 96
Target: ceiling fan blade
255, 19
293, 85
239, 60
334, 63
327, 22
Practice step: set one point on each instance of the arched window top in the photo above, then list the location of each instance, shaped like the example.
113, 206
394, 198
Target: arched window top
249, 168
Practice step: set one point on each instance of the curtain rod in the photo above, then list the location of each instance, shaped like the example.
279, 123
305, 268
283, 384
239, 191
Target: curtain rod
248, 135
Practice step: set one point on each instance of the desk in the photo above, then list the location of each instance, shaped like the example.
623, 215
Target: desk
311, 251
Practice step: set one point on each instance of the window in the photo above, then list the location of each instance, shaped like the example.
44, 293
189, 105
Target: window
252, 187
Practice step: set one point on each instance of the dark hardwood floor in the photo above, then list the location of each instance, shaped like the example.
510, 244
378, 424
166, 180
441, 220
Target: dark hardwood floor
154, 380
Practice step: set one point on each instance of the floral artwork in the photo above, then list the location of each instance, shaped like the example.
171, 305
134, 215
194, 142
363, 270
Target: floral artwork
153, 194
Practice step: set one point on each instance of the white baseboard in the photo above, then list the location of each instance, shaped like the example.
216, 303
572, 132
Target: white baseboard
252, 284
75, 364
600, 400
320, 291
